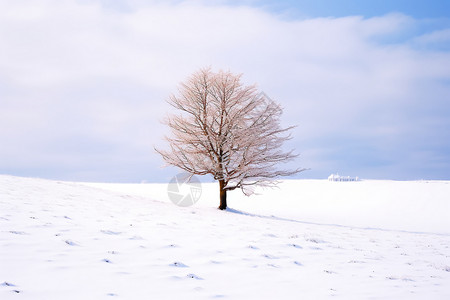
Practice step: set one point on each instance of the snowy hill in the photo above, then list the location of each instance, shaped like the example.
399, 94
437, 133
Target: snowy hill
308, 239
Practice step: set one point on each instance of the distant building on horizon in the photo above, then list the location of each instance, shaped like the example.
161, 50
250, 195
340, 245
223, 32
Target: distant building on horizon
337, 177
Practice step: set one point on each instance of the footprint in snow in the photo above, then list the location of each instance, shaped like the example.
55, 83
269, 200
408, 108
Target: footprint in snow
193, 276
296, 246
179, 265
356, 262
17, 232
70, 243
215, 262
171, 246
314, 240
110, 232
315, 248
7, 284
407, 279
270, 235
440, 267
270, 256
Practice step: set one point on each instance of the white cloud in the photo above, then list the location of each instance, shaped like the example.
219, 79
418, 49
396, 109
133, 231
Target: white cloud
85, 71
438, 36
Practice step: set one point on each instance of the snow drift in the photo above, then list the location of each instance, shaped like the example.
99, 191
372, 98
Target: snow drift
308, 239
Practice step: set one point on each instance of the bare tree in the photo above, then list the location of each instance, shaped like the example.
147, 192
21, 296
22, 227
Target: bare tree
228, 130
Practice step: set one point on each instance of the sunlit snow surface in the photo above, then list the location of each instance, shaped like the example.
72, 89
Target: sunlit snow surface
308, 239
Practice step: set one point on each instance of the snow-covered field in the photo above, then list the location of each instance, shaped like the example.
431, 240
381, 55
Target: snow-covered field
309, 239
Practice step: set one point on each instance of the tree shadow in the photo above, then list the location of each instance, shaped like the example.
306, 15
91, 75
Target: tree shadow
273, 217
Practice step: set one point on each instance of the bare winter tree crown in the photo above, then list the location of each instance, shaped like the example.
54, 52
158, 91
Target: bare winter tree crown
228, 130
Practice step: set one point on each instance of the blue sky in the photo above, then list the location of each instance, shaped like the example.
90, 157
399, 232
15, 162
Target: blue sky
83, 83
343, 8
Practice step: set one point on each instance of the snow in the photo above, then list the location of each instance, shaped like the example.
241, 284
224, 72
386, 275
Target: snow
307, 239
337, 177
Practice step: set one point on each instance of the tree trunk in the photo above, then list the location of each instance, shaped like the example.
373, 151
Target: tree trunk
223, 195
